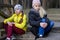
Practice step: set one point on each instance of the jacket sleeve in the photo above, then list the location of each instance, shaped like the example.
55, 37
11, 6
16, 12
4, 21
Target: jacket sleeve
23, 24
9, 19
32, 20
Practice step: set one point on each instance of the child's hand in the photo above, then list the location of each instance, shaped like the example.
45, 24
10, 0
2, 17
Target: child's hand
9, 23
13, 23
44, 25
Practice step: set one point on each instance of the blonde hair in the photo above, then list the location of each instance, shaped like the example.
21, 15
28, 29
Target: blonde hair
42, 12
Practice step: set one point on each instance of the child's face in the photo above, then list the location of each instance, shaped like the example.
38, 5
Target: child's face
36, 6
17, 11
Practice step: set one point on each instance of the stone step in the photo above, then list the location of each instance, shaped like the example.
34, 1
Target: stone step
53, 15
54, 19
53, 11
30, 36
51, 36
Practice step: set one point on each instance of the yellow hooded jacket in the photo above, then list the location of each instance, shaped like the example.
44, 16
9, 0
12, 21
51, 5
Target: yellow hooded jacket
16, 19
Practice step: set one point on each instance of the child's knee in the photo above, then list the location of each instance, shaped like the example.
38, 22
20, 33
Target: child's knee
43, 20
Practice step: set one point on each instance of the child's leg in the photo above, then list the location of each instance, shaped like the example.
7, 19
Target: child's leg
18, 30
48, 29
8, 30
41, 29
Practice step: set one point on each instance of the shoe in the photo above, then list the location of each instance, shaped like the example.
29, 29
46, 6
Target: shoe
8, 38
40, 36
13, 37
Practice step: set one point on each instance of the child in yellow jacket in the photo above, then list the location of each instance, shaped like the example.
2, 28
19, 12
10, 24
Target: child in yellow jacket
16, 23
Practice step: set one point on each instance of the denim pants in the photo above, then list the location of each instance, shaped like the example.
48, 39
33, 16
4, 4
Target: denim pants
42, 31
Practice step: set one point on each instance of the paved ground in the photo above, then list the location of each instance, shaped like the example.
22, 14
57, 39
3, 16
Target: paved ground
51, 36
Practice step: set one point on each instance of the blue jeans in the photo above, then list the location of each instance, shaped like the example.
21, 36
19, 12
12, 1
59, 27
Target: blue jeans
42, 30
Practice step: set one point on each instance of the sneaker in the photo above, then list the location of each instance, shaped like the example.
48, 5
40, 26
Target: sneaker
40, 36
7, 38
13, 37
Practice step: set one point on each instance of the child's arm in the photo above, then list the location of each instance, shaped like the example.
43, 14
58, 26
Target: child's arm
23, 24
9, 19
32, 21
